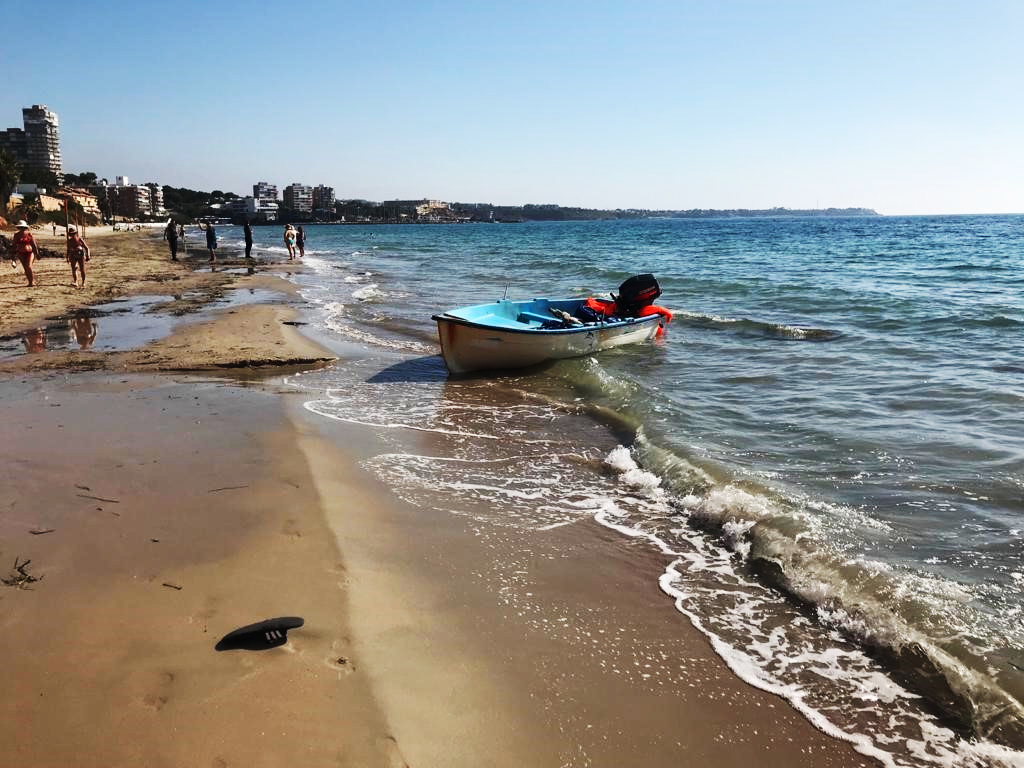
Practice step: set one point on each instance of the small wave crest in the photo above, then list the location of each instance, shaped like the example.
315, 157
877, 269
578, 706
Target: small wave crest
744, 326
736, 547
961, 321
368, 293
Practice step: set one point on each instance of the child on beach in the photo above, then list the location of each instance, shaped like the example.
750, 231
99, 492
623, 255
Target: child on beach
24, 248
78, 254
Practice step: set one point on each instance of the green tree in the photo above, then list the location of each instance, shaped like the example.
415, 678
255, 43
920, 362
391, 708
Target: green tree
41, 177
10, 173
84, 179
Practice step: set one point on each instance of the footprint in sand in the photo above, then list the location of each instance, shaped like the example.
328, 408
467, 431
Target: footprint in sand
394, 755
158, 698
339, 660
340, 664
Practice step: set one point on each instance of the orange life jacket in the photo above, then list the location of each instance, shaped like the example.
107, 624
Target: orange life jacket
603, 307
652, 309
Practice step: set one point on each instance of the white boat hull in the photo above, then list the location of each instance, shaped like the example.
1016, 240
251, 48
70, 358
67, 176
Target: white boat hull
468, 346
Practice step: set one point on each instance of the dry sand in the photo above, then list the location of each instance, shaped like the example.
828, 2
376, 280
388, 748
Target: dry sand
171, 509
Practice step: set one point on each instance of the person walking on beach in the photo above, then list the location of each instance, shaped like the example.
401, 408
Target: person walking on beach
78, 253
171, 236
289, 241
211, 241
247, 231
24, 248
300, 240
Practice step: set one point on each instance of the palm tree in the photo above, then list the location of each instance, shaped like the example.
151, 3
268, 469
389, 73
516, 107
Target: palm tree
10, 173
29, 209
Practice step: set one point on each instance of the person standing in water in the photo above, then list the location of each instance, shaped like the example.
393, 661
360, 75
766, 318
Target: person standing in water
300, 240
78, 252
25, 250
289, 241
171, 236
211, 241
247, 231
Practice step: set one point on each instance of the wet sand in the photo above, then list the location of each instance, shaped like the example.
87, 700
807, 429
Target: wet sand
179, 507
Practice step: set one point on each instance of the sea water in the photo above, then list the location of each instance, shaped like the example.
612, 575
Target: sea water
827, 446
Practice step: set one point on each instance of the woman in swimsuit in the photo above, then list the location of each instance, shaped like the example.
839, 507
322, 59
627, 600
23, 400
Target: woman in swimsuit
289, 241
78, 254
25, 250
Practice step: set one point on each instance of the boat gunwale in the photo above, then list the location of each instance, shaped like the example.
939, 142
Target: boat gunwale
625, 323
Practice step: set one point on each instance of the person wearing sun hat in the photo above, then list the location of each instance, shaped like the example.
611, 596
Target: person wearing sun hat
24, 249
78, 254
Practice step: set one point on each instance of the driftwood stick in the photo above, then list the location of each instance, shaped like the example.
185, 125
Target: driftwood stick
20, 577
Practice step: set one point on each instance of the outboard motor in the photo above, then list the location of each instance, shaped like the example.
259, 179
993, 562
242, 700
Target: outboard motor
636, 293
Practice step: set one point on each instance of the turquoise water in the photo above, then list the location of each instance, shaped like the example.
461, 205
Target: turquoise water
827, 445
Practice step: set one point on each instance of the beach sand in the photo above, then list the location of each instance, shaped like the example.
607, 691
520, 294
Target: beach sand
169, 495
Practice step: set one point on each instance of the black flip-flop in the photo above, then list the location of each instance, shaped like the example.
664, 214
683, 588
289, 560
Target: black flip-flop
269, 633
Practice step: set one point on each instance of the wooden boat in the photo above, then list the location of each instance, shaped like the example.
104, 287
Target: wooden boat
516, 334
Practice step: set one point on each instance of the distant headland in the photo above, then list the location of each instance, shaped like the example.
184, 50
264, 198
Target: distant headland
562, 213
227, 206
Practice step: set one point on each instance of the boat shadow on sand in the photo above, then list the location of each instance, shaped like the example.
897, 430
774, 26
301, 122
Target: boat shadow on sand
432, 369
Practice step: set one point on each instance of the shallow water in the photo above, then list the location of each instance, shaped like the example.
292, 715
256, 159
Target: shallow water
827, 445
110, 326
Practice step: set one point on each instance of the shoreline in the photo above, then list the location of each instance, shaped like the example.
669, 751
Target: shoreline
148, 476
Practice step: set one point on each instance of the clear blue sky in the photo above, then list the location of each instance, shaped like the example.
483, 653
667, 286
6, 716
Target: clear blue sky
903, 106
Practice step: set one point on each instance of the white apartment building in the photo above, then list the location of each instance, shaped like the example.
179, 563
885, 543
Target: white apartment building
264, 192
156, 198
298, 197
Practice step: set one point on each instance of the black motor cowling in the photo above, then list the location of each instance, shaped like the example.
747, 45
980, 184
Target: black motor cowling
636, 293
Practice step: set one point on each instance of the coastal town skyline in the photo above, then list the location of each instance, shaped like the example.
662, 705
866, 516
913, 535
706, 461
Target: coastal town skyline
705, 106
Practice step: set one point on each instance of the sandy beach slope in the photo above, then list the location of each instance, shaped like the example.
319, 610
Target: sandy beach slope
162, 510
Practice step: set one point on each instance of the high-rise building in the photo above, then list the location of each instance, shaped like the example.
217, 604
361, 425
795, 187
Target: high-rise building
14, 142
156, 199
264, 192
130, 201
323, 198
264, 202
42, 136
299, 198
37, 145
